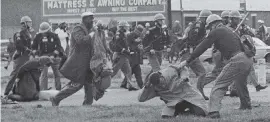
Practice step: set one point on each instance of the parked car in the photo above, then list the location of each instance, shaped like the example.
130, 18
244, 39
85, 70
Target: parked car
4, 53
262, 51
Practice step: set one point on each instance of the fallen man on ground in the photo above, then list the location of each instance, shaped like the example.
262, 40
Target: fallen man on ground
172, 86
25, 84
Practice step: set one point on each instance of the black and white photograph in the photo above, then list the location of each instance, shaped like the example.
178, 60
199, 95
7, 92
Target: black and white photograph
135, 61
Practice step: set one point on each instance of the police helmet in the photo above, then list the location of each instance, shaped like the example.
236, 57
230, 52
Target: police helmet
205, 13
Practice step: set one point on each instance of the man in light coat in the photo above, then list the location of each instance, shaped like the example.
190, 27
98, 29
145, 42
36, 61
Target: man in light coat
172, 86
77, 66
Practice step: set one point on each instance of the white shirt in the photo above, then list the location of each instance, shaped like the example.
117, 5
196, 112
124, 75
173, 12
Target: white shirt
62, 36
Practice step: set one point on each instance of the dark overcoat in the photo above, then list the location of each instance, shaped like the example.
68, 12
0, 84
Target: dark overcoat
77, 66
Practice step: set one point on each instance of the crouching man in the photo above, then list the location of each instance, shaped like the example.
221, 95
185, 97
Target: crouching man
172, 86
25, 84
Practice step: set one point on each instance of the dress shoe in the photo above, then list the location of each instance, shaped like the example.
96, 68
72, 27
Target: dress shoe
213, 115
259, 87
54, 102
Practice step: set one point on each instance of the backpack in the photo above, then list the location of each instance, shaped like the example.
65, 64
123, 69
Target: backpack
248, 45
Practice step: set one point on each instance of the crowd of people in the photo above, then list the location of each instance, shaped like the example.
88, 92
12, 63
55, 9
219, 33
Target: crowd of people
92, 54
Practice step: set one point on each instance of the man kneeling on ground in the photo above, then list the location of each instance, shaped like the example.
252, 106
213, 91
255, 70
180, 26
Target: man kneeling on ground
25, 84
172, 86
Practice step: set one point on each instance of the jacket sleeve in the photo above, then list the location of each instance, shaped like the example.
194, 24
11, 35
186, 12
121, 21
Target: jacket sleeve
28, 66
147, 94
58, 47
35, 43
132, 43
80, 37
168, 40
203, 46
147, 39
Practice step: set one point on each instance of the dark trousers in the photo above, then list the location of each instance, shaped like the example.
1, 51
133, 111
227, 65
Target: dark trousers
185, 107
136, 70
72, 88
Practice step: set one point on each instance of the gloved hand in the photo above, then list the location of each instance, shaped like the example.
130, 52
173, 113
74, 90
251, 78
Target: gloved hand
152, 51
168, 49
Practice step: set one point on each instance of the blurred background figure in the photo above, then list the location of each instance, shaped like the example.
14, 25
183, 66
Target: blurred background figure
63, 35
177, 28
262, 30
147, 27
11, 50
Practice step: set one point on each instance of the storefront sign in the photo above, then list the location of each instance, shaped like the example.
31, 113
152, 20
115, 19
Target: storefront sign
101, 7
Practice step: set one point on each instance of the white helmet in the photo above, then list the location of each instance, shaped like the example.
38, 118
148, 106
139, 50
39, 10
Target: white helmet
212, 18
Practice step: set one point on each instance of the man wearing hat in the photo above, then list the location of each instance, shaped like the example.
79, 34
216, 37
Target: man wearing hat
227, 42
77, 66
225, 15
47, 43
262, 31
134, 40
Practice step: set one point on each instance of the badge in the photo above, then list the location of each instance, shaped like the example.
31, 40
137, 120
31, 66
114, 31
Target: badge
44, 39
165, 33
52, 39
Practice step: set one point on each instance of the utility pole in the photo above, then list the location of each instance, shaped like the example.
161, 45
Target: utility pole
169, 14
182, 15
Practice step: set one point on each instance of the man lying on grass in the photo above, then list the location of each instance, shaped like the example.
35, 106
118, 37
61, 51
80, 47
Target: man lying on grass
25, 84
172, 86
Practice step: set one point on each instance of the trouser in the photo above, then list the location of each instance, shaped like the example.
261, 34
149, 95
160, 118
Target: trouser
122, 62
251, 78
56, 72
236, 70
183, 107
155, 61
72, 88
16, 97
136, 70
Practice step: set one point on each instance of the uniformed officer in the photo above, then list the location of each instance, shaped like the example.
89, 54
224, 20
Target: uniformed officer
155, 41
229, 45
225, 15
262, 30
245, 29
121, 54
194, 36
134, 40
47, 43
236, 18
22, 41
220, 63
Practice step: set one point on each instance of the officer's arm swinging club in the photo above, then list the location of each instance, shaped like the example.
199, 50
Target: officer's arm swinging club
241, 23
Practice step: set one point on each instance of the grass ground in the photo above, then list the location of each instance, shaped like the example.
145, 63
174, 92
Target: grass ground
130, 113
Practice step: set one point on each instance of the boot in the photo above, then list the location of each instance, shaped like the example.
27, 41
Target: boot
259, 87
213, 115
54, 102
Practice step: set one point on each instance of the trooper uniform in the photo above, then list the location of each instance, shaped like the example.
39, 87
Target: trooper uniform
237, 68
121, 54
195, 35
135, 59
156, 39
22, 42
47, 43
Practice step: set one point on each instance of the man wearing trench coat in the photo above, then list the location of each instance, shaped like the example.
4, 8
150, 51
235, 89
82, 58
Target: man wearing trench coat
77, 66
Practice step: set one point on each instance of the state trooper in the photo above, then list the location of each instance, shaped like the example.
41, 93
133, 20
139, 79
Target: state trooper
155, 41
236, 18
220, 63
121, 54
47, 43
225, 40
225, 15
134, 40
195, 35
23, 40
